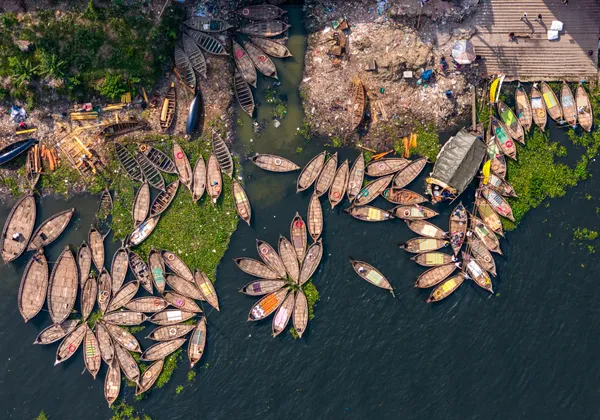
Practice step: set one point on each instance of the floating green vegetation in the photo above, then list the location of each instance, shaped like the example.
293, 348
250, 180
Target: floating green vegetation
179, 389
368, 156
337, 141
191, 375
428, 142
299, 150
136, 329
93, 318
61, 180
305, 129
123, 411
312, 297
279, 106
41, 416
13, 187
584, 234
171, 363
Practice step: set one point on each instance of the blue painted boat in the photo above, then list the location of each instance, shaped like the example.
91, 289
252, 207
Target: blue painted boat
15, 149
195, 114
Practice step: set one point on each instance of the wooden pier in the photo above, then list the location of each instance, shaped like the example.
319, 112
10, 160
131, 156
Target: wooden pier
533, 57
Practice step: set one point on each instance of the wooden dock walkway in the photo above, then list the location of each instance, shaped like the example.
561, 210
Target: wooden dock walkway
533, 57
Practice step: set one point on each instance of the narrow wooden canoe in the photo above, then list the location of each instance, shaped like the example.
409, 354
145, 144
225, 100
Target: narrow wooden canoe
149, 376
356, 177
182, 302
184, 287
409, 173
310, 172
84, 262
498, 203
271, 47
184, 66
197, 342
96, 241
127, 318
267, 305
123, 295
298, 236
244, 64
207, 24
459, 220
242, 204
262, 287
151, 173
213, 179
162, 349
584, 109
63, 287
199, 183
33, 174
290, 258
274, 163
161, 161
358, 104
511, 122
372, 190
283, 315
487, 236
243, 93
105, 342
34, 286
260, 60
123, 337
89, 294
168, 109
104, 290
369, 213
501, 185
567, 101
523, 108
433, 259
128, 364
157, 269
183, 166
55, 332
128, 163
271, 258
207, 289
222, 153
481, 254
112, 382
489, 216
177, 265
143, 231
372, 275
170, 332
386, 166
446, 288
268, 29
414, 212
104, 213
421, 245
70, 344
300, 315
315, 217
551, 101
118, 129
435, 275
147, 304
261, 12
339, 184
19, 224
255, 268
498, 165
477, 273
424, 228
171, 317
164, 199
539, 114
311, 261
207, 43
194, 54
119, 266
91, 352
50, 229
505, 143
326, 176
140, 271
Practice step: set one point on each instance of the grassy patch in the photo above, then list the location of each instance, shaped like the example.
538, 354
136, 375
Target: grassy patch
94, 318
428, 142
61, 180
123, 411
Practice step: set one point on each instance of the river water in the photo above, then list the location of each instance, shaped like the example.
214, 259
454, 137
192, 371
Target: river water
528, 352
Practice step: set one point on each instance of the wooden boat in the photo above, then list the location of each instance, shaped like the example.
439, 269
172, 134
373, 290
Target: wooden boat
123, 337
151, 174
223, 155
271, 258
584, 109
567, 101
128, 163
112, 383
477, 273
195, 118
262, 287
70, 344
120, 128
96, 241
409, 173
283, 314
244, 64
255, 268
199, 180
424, 228
63, 286
140, 271
261, 61
184, 66
421, 245
435, 275
89, 294
15, 149
459, 219
194, 54
184, 287
289, 258
511, 122
123, 295
300, 314
414, 212
339, 184
481, 254
538, 109
177, 266
105, 342
104, 290
207, 43
523, 108
372, 190
161, 161
552, 105
433, 259
149, 376
311, 172
267, 305
315, 217
358, 104
271, 47
207, 24
326, 176
261, 12
141, 233
243, 93
19, 223
55, 332
214, 180
127, 318
171, 317
84, 262
386, 166
207, 289
356, 177
170, 332
498, 203
162, 349
298, 236
268, 29
274, 163
33, 166
164, 199
498, 165
311, 261
183, 166
446, 288
489, 216
182, 302
369, 213
104, 212
501, 185
34, 286
197, 343
128, 364
369, 273
91, 352
157, 269
49, 230
487, 236
505, 143
147, 304
141, 204
242, 204
168, 108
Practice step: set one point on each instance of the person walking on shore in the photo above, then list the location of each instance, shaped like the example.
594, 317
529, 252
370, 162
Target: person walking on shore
524, 17
539, 19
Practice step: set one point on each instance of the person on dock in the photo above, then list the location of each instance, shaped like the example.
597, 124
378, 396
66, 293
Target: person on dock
538, 19
512, 37
524, 18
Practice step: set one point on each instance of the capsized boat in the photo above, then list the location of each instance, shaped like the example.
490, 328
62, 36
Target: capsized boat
372, 275
15, 149
18, 228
